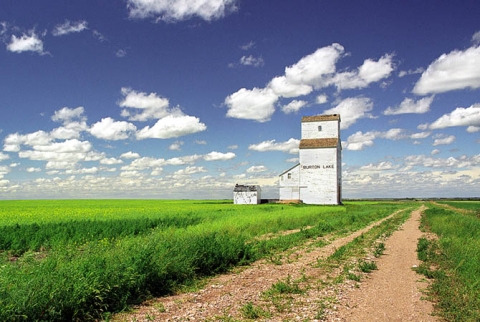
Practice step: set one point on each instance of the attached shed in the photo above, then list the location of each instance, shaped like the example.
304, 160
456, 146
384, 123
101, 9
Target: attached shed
246, 195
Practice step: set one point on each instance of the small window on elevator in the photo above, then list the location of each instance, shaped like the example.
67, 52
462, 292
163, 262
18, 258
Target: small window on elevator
319, 128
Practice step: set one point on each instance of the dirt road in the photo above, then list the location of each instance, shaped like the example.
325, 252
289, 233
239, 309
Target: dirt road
393, 292
390, 294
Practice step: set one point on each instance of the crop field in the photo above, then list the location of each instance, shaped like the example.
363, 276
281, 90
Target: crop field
77, 259
80, 260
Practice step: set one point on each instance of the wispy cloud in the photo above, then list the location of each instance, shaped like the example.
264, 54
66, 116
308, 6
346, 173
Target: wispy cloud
69, 27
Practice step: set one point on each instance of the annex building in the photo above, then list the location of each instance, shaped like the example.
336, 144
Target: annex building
317, 178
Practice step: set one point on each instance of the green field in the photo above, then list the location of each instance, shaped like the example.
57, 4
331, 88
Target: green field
77, 260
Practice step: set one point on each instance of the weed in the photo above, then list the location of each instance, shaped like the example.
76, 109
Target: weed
367, 267
250, 311
379, 249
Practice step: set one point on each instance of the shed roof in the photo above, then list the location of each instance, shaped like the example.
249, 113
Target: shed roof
316, 118
244, 188
318, 143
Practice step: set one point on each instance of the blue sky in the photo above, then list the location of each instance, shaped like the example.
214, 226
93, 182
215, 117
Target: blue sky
184, 99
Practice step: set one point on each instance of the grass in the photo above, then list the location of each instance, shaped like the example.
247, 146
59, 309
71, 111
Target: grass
453, 262
78, 263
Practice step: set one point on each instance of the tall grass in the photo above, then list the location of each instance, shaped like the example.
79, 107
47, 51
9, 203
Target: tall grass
82, 279
456, 259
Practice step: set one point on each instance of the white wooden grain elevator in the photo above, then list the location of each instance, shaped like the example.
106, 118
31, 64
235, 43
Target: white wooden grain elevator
317, 178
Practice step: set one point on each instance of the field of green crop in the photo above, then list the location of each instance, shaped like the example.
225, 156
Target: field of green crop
453, 260
76, 260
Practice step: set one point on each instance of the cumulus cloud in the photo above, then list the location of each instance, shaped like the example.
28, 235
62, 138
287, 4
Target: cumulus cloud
176, 146
172, 11
469, 117
218, 156
256, 104
409, 105
130, 155
290, 146
321, 99
444, 140
109, 129
172, 126
312, 72
453, 71
293, 107
4, 156
359, 140
29, 41
69, 27
152, 106
67, 115
351, 110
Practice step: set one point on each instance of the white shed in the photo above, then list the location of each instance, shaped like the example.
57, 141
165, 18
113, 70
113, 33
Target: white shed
246, 195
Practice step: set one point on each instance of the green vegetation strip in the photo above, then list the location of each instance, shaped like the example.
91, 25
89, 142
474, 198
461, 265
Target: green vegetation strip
65, 278
453, 261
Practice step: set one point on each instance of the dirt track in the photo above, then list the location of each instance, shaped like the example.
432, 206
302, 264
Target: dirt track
392, 293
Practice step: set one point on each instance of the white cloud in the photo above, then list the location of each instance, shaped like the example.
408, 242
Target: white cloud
252, 61
4, 170
4, 156
281, 86
321, 99
359, 140
200, 142
32, 169
110, 161
351, 110
172, 126
410, 106
460, 117
256, 104
218, 156
67, 115
452, 71
69, 27
130, 155
189, 171
420, 135
176, 146
109, 129
27, 42
404, 73
181, 9
248, 46
435, 152
121, 53
257, 169
314, 71
476, 38
373, 71
444, 140
290, 146
381, 166
293, 107
151, 105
